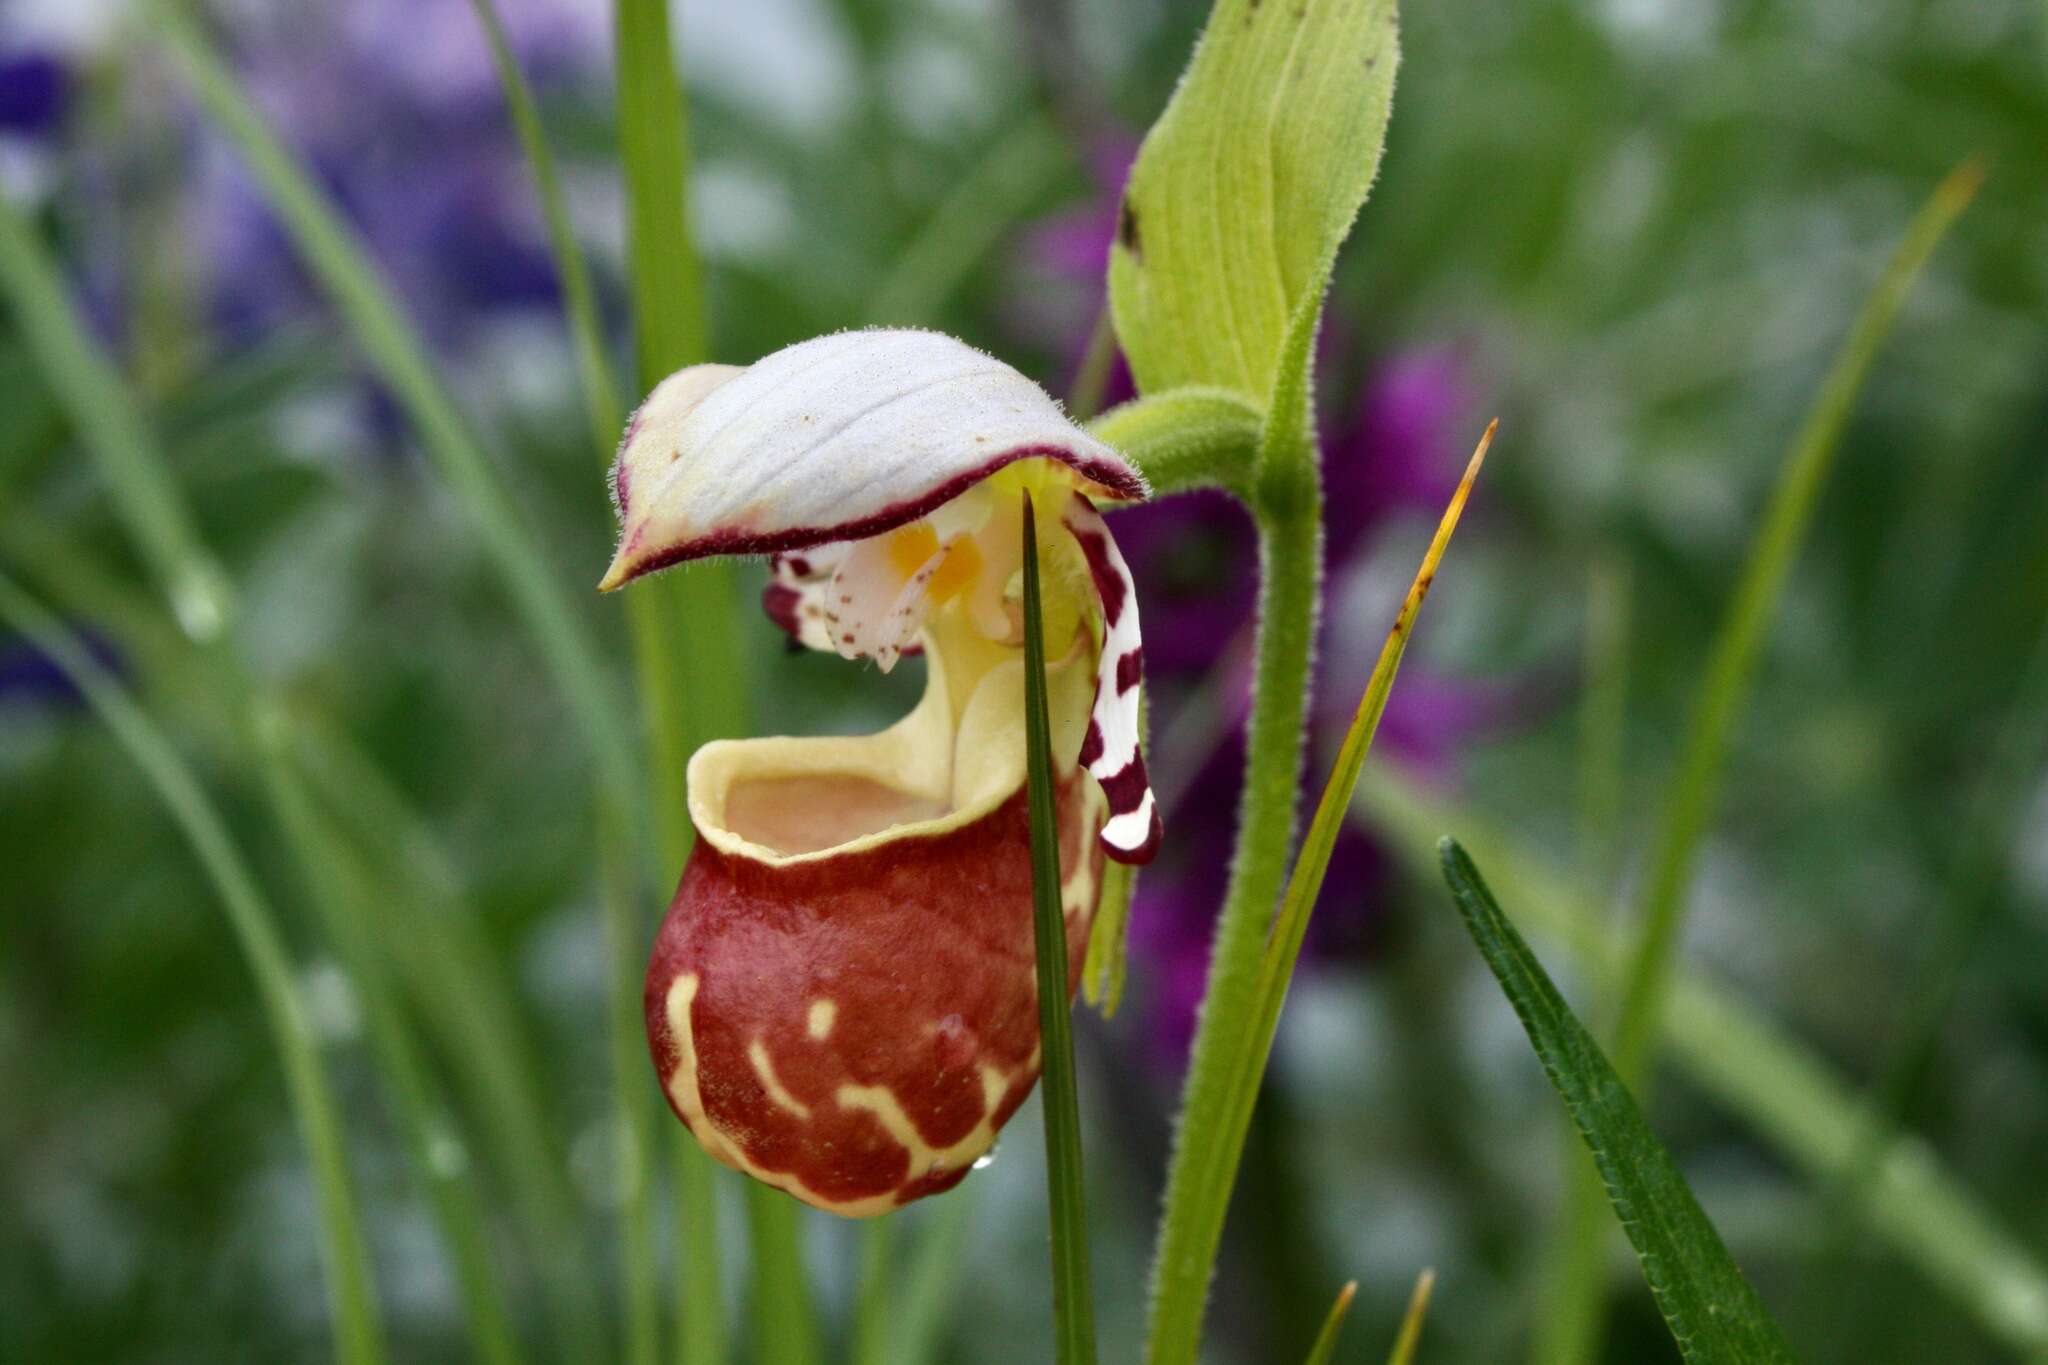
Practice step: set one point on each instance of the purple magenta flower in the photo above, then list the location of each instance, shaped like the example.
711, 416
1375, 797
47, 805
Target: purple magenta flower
1394, 456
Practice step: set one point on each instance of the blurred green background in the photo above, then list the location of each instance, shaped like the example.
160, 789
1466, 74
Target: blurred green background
1635, 229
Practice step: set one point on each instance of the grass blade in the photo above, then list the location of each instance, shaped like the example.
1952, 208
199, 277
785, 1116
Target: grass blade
338, 260
1410, 1334
872, 1300
1073, 1303
1781, 1090
689, 669
458, 987
928, 1284
339, 890
137, 478
133, 464
579, 299
1569, 1323
1734, 652
1198, 1199
1325, 1345
351, 1293
1003, 183
1712, 1312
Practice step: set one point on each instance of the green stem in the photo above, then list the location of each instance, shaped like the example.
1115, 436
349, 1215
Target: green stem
1186, 439
351, 1293
785, 1332
1734, 653
1191, 1227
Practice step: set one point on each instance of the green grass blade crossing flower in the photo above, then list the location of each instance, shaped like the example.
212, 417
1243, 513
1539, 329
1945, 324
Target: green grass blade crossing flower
1713, 1314
1073, 1301
1735, 649
351, 1291
1208, 1156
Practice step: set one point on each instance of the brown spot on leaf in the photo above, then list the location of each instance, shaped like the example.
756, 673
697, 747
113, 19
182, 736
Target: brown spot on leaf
1127, 226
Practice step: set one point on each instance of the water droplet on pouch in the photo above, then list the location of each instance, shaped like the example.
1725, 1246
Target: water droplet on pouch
984, 1161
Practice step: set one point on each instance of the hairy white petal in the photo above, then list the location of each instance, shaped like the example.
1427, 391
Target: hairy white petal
837, 438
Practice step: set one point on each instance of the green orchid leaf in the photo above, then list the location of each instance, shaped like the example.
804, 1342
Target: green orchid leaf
1710, 1308
1246, 187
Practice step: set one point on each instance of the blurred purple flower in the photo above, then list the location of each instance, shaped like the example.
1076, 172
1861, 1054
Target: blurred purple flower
1069, 252
1393, 455
395, 106
29, 677
34, 90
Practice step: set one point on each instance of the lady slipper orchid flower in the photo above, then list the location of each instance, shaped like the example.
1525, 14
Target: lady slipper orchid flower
842, 1000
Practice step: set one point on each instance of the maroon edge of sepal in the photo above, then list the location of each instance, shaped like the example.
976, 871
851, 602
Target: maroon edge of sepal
738, 540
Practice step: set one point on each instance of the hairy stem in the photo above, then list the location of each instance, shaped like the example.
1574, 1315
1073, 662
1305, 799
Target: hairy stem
1290, 579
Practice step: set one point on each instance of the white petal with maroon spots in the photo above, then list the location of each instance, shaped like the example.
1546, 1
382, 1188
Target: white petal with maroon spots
799, 590
872, 608
1110, 751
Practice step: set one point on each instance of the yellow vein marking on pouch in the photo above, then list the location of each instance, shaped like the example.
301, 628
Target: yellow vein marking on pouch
764, 1067
820, 1020
682, 1083
682, 1087
880, 1101
994, 1082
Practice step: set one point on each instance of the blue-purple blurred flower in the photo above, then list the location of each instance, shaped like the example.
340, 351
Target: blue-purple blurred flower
31, 678
34, 90
395, 105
